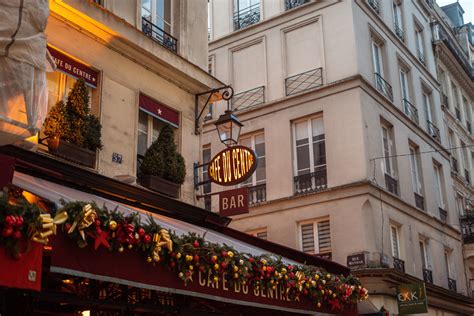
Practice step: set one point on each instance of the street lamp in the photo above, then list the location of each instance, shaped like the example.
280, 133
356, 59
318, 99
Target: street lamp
228, 127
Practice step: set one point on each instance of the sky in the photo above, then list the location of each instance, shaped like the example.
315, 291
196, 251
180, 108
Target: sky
467, 5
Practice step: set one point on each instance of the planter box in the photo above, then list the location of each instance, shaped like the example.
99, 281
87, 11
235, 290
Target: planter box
74, 153
160, 185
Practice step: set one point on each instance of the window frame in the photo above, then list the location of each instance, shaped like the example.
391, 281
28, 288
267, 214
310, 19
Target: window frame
395, 228
253, 177
425, 256
439, 180
167, 26
377, 57
416, 169
391, 151
315, 223
149, 131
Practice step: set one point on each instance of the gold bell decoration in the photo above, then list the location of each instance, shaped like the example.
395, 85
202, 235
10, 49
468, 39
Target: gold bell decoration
300, 277
161, 239
48, 227
88, 216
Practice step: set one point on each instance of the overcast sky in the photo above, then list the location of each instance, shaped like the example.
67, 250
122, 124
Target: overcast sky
467, 5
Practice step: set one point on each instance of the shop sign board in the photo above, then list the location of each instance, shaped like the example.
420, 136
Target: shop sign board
234, 202
74, 68
233, 165
412, 299
356, 260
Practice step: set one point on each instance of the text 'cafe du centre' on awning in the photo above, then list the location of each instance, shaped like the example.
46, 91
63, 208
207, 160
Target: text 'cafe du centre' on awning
74, 240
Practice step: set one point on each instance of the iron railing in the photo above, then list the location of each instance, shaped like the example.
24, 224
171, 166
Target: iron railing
208, 203
445, 100
419, 201
398, 31
452, 285
454, 165
430, 3
458, 113
467, 176
468, 126
159, 35
421, 57
398, 264
392, 184
311, 182
467, 226
247, 16
304, 81
433, 131
383, 86
290, 4
428, 276
375, 5
443, 215
248, 98
411, 111
257, 193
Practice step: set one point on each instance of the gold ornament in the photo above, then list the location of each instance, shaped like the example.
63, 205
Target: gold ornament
189, 258
191, 268
300, 280
120, 249
130, 246
88, 216
48, 227
230, 254
149, 259
178, 255
112, 225
163, 239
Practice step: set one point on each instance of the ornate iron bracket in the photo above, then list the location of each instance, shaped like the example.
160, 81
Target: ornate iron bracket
222, 93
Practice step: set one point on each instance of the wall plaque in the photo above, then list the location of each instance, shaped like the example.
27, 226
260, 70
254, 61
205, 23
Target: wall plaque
234, 202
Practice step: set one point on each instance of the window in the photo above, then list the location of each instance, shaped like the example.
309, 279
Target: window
398, 19
420, 44
447, 260
416, 175
454, 91
59, 85
260, 233
246, 12
404, 85
395, 242
439, 185
148, 130
460, 204
425, 262
389, 161
257, 143
310, 145
377, 58
316, 237
157, 12
427, 106
465, 161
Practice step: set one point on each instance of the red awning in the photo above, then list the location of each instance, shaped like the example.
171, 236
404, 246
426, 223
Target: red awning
158, 110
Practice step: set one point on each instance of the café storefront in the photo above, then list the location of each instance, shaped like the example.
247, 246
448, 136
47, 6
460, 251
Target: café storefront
191, 263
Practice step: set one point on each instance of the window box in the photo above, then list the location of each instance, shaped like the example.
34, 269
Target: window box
160, 185
72, 153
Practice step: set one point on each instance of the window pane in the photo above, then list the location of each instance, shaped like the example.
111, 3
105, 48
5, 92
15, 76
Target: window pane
319, 153
301, 132
324, 236
307, 238
157, 125
317, 126
395, 250
423, 254
261, 170
143, 122
302, 159
142, 143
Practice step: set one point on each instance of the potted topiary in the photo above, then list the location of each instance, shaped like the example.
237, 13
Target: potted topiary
163, 168
74, 127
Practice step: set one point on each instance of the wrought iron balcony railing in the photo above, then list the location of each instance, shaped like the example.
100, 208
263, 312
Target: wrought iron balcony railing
452, 285
398, 31
467, 226
304, 81
383, 86
159, 35
428, 276
430, 3
467, 176
375, 5
458, 113
411, 111
421, 56
443, 215
257, 193
398, 264
311, 182
290, 4
392, 184
419, 201
454, 165
433, 131
445, 100
468, 126
248, 98
247, 16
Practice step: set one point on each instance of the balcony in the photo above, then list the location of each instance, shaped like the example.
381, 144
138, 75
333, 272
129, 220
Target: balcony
383, 86
433, 131
411, 111
454, 165
398, 264
304, 81
248, 98
398, 31
443, 215
428, 276
467, 226
375, 5
419, 201
159, 35
257, 193
246, 17
392, 184
311, 182
421, 57
467, 176
458, 113
452, 285
290, 4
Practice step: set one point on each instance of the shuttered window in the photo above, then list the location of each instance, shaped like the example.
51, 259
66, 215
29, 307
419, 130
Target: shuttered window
260, 233
316, 237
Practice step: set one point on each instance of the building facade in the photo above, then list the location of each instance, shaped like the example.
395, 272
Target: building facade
342, 103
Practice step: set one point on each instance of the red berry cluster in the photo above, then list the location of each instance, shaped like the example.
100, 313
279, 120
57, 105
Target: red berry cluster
12, 226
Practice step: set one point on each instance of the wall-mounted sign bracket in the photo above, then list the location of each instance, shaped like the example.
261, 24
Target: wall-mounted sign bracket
217, 94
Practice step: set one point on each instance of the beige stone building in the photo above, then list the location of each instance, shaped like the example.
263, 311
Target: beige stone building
143, 62
342, 103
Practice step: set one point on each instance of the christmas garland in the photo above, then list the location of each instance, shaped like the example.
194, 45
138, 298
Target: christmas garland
182, 254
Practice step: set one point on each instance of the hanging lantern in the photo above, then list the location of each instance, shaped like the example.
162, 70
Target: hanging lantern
228, 128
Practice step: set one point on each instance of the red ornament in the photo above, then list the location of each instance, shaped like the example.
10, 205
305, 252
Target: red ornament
17, 234
98, 230
100, 239
196, 258
141, 232
7, 231
201, 268
290, 267
214, 259
172, 264
196, 243
224, 253
10, 220
147, 239
223, 265
251, 260
67, 227
97, 223
19, 221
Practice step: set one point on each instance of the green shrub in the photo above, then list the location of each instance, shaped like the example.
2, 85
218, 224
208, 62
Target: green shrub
163, 160
55, 122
